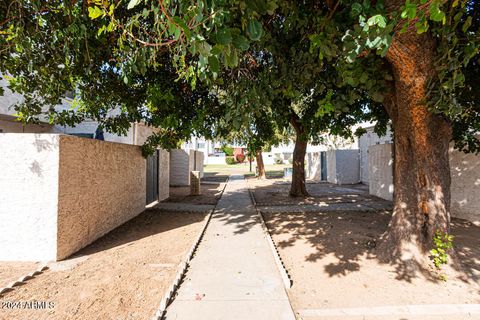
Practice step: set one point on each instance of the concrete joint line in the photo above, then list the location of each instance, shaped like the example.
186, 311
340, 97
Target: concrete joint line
23, 279
183, 267
400, 310
287, 281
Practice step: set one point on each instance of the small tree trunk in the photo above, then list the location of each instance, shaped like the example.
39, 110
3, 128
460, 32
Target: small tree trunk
261, 167
298, 187
421, 169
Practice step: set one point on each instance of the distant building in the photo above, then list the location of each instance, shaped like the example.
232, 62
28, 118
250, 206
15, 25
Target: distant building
137, 133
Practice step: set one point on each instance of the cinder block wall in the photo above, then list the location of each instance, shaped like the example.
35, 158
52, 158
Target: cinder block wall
163, 174
179, 167
59, 193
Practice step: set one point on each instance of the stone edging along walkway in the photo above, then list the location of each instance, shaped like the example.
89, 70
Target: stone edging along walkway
11, 286
182, 270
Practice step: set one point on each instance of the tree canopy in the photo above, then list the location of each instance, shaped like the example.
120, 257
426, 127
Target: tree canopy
313, 65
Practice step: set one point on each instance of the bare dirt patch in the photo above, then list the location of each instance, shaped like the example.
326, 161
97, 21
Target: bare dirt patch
12, 271
274, 192
123, 275
211, 192
333, 263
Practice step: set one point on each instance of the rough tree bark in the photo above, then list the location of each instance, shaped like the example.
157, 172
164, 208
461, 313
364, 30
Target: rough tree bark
298, 187
260, 165
421, 169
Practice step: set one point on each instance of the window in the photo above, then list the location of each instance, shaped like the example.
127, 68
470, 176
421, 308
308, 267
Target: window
200, 145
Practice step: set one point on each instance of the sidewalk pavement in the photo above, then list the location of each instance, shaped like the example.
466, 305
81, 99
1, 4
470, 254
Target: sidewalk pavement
233, 274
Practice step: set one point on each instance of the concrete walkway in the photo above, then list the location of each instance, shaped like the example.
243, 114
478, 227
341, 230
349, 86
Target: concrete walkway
233, 274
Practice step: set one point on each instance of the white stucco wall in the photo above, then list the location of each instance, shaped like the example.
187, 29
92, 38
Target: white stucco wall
343, 166
29, 168
313, 166
215, 160
465, 189
332, 166
199, 162
348, 166
59, 193
366, 140
380, 164
465, 185
179, 167
163, 174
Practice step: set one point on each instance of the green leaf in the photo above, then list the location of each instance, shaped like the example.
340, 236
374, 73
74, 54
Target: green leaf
377, 20
254, 30
467, 24
436, 14
214, 64
241, 43
94, 12
133, 3
184, 26
356, 9
223, 36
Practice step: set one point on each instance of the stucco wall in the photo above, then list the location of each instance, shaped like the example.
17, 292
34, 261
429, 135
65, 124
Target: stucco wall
331, 166
163, 174
366, 140
179, 167
348, 166
465, 196
142, 132
29, 166
101, 186
380, 164
199, 158
313, 166
465, 186
343, 166
11, 126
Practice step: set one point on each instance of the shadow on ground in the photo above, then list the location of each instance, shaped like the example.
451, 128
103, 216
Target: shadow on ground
148, 223
345, 239
210, 193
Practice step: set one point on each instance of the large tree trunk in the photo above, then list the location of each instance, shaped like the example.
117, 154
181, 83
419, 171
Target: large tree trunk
261, 167
298, 187
421, 169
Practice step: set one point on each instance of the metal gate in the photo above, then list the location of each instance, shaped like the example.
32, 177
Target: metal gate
323, 166
152, 178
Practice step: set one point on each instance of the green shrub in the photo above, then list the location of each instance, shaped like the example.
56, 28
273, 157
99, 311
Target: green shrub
278, 161
290, 160
442, 243
230, 160
227, 150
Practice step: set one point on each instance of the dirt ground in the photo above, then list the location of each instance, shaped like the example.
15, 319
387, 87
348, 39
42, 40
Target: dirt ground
274, 192
123, 275
210, 193
332, 260
11, 271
